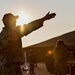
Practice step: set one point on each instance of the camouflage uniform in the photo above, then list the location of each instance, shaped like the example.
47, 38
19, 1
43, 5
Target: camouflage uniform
50, 63
32, 62
61, 56
11, 45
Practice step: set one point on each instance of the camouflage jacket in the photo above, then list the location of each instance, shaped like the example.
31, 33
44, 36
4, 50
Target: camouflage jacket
10, 41
61, 54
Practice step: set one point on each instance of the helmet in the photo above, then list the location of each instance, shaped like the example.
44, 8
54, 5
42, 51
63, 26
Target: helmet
60, 41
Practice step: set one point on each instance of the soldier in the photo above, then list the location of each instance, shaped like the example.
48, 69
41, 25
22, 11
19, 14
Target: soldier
61, 56
32, 62
50, 62
10, 42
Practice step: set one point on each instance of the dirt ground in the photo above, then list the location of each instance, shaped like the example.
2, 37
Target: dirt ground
40, 70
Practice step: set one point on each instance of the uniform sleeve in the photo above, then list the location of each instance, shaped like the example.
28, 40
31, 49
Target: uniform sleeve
28, 28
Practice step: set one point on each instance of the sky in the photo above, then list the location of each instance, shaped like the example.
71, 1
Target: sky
35, 9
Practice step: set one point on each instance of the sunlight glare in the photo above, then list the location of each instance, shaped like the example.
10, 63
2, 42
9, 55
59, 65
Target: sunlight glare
49, 52
23, 18
22, 28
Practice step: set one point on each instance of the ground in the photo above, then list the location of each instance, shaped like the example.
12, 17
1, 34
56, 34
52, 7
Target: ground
40, 70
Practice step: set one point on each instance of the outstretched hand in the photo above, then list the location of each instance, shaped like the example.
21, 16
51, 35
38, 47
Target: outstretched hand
49, 16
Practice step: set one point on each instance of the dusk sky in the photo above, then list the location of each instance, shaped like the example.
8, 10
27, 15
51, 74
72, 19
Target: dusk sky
34, 9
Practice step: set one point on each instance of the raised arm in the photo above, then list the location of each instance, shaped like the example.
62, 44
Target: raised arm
34, 25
